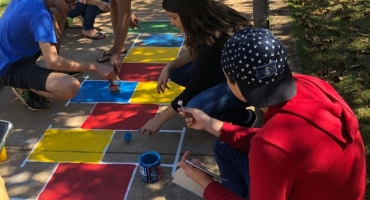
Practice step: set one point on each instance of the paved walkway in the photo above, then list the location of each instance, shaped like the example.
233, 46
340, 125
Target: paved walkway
25, 179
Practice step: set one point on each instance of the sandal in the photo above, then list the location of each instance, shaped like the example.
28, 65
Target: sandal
105, 54
97, 36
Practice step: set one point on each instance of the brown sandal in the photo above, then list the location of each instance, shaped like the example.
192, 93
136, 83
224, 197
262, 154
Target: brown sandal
105, 54
97, 36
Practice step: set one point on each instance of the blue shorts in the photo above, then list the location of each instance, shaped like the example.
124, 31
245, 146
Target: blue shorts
26, 74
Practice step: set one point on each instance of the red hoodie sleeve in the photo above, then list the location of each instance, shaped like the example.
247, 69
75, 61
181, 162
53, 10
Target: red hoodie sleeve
272, 171
237, 137
215, 191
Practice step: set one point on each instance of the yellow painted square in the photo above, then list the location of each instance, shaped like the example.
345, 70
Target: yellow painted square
69, 145
146, 92
151, 54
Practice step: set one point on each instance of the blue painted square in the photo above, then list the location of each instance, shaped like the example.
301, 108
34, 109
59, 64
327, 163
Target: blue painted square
160, 40
98, 91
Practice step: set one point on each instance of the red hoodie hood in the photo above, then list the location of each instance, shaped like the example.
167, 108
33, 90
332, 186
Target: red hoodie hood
323, 107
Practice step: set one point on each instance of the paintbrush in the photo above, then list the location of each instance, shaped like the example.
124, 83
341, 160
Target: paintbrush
112, 86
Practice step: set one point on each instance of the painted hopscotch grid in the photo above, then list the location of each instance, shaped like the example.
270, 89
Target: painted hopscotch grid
120, 146
89, 181
162, 26
159, 40
140, 72
164, 55
152, 54
71, 145
97, 91
94, 91
120, 116
146, 93
57, 152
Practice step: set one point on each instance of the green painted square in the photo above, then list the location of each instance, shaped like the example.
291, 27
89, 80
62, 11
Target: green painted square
155, 27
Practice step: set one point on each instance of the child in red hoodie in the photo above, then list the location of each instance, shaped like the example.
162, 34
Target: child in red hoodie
310, 146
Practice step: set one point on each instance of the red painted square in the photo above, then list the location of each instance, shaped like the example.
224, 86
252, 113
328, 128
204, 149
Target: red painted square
88, 181
120, 116
140, 72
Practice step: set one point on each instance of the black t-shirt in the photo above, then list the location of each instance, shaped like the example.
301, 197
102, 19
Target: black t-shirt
207, 62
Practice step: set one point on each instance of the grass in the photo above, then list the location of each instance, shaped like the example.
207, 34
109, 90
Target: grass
333, 42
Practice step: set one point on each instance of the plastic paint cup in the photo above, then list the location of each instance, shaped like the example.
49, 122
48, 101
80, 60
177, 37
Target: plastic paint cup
150, 167
3, 155
5, 127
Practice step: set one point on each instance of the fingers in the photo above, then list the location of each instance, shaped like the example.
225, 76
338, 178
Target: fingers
137, 23
107, 8
161, 87
164, 85
142, 130
197, 162
117, 68
146, 131
182, 162
111, 75
185, 156
185, 113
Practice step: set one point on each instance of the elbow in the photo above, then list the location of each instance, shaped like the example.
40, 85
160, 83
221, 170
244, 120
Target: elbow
52, 63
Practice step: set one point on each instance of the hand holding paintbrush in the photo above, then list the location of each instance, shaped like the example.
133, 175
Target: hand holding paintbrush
112, 86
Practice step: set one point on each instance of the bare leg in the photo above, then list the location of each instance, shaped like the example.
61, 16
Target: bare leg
120, 16
59, 86
121, 25
59, 22
114, 15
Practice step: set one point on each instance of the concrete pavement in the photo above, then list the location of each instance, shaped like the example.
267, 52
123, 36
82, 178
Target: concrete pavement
28, 181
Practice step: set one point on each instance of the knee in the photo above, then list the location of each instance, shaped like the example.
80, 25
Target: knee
200, 103
217, 148
71, 88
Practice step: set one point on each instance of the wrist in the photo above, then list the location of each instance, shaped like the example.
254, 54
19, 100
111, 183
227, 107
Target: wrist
161, 118
90, 67
205, 183
214, 127
168, 67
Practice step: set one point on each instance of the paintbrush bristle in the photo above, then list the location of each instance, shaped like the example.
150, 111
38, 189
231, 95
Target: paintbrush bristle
113, 88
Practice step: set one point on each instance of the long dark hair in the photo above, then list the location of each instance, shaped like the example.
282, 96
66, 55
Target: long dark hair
206, 21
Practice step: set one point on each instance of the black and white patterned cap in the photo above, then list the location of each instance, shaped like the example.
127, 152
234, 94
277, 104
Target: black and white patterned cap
257, 60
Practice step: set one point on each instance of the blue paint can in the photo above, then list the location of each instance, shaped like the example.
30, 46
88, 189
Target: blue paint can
150, 167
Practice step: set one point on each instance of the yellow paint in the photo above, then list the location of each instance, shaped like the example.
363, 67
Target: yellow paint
65, 156
146, 92
63, 145
151, 54
3, 155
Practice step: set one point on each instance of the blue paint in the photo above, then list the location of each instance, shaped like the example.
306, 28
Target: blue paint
161, 40
128, 136
98, 91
